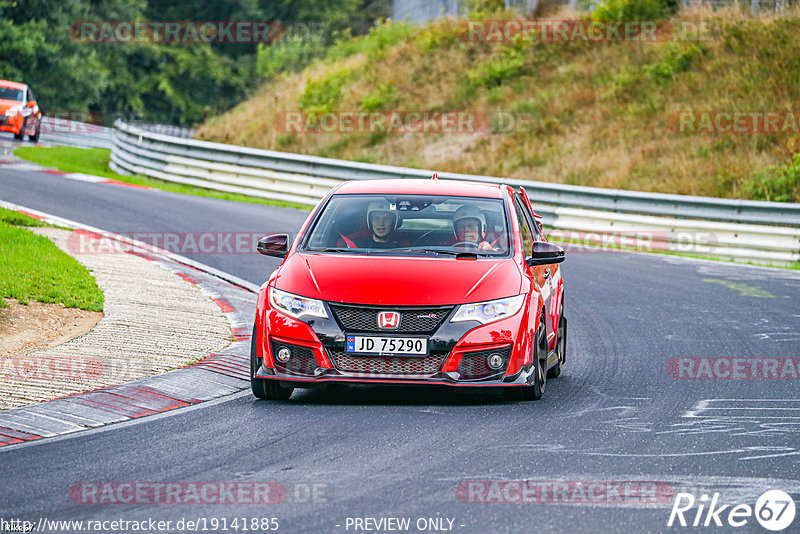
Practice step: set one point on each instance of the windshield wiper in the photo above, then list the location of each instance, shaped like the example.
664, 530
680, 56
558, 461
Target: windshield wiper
445, 252
339, 250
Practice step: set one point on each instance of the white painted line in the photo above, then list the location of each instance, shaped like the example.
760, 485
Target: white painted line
751, 400
750, 409
23, 167
746, 408
80, 177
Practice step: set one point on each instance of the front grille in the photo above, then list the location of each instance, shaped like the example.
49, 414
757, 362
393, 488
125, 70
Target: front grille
301, 363
473, 365
386, 365
412, 320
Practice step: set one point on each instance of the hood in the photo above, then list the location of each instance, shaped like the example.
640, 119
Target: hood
397, 281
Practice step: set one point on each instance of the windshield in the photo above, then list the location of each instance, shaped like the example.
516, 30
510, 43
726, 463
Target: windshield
7, 93
410, 225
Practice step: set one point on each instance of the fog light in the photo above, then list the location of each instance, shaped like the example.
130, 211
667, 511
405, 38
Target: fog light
495, 361
283, 355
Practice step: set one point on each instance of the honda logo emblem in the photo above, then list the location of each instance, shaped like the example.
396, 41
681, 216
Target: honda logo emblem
388, 320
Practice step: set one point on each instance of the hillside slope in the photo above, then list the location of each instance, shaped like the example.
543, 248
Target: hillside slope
587, 113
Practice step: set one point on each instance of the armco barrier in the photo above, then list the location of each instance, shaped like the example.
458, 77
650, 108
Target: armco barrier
745, 230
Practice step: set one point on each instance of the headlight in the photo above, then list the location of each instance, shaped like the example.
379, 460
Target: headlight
10, 112
296, 306
489, 311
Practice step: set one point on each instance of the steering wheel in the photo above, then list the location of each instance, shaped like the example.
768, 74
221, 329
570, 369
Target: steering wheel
466, 244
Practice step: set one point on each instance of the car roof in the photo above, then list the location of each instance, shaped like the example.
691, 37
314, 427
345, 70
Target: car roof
414, 186
13, 85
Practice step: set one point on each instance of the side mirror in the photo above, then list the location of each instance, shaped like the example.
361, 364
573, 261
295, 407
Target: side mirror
31, 103
274, 245
545, 253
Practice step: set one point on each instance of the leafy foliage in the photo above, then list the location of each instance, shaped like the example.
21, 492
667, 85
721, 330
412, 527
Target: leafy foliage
498, 70
304, 44
293, 53
776, 183
633, 10
324, 94
679, 58
160, 82
383, 95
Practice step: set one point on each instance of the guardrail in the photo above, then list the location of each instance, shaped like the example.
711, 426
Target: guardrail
305, 179
164, 129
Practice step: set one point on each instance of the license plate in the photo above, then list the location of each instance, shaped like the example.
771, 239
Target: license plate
406, 346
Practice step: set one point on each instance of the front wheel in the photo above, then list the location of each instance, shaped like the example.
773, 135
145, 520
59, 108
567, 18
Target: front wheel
21, 135
264, 388
37, 133
536, 390
561, 348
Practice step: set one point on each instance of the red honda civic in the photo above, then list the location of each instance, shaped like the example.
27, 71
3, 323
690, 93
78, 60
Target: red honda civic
412, 282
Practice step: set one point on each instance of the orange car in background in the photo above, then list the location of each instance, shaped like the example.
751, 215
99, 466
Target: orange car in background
19, 111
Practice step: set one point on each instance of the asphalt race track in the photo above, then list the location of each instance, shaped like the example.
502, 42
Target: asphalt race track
616, 414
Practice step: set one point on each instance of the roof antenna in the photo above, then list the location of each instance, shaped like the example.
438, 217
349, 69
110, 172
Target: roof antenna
435, 176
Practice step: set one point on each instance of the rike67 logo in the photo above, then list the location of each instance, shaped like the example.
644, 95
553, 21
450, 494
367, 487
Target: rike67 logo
774, 510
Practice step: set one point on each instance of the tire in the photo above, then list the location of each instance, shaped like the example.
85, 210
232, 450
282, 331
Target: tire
263, 388
21, 135
536, 390
561, 347
35, 136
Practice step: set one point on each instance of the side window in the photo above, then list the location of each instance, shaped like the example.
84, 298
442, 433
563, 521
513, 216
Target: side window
534, 224
524, 226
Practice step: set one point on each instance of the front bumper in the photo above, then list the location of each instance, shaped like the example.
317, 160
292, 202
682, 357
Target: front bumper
457, 353
11, 124
522, 378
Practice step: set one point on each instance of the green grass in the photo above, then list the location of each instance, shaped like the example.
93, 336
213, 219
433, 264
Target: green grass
35, 269
95, 161
15, 218
83, 160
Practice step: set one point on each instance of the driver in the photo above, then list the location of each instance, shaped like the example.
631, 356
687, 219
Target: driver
469, 227
382, 222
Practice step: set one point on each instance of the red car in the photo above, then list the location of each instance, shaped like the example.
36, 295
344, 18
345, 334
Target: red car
413, 282
19, 111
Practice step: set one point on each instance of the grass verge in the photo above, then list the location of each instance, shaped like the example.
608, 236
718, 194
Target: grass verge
95, 161
34, 268
15, 218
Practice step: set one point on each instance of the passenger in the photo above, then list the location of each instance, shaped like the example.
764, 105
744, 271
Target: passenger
469, 227
382, 222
